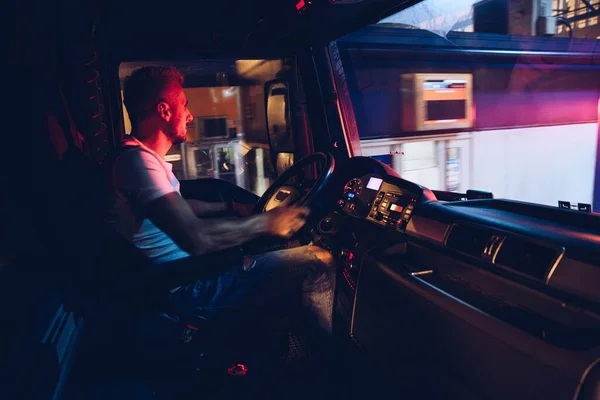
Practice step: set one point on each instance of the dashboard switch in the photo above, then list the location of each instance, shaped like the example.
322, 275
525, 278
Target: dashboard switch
347, 258
379, 216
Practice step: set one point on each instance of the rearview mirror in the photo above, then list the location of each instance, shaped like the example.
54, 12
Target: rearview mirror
279, 126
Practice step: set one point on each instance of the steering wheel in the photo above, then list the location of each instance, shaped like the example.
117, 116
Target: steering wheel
281, 194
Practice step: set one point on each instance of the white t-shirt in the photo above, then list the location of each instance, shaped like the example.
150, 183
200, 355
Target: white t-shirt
139, 176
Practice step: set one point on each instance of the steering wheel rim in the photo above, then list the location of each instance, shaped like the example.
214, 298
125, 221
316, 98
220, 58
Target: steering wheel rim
324, 175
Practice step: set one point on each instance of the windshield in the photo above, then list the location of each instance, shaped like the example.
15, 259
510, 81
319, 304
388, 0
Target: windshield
492, 95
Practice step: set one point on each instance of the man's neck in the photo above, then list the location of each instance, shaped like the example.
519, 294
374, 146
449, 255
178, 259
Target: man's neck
156, 141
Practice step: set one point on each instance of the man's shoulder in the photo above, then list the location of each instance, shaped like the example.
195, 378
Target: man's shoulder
132, 153
122, 148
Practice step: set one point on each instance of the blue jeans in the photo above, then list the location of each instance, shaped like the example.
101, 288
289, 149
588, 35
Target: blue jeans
276, 277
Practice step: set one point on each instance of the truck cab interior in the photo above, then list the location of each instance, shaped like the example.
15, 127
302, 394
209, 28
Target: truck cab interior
449, 153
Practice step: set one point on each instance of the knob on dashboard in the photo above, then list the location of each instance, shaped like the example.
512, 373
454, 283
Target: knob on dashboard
326, 225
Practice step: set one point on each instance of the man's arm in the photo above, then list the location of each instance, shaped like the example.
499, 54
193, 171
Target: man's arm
202, 208
173, 215
140, 176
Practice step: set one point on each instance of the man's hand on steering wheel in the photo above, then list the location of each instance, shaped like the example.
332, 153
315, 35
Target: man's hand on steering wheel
281, 202
285, 221
283, 194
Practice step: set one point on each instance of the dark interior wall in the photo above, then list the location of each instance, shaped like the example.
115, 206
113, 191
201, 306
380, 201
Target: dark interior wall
39, 179
28, 280
26, 145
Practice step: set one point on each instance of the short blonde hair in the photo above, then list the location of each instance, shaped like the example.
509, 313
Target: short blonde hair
146, 87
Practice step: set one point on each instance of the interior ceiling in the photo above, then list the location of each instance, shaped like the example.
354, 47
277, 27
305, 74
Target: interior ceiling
206, 68
204, 72
182, 28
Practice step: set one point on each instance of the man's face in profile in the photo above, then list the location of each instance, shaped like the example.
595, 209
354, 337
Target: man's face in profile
176, 126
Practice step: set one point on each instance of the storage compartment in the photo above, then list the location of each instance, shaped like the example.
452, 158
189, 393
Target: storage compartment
467, 334
539, 326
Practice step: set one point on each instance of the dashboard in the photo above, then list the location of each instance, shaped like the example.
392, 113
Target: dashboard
543, 248
478, 280
383, 203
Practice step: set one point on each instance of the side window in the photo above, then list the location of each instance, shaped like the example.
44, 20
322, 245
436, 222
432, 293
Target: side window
463, 95
228, 137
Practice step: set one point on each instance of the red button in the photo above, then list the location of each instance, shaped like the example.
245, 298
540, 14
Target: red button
237, 370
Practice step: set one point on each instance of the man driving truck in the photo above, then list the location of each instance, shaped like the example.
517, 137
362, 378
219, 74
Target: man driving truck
145, 206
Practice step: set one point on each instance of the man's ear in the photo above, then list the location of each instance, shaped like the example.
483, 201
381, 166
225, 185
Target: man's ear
164, 110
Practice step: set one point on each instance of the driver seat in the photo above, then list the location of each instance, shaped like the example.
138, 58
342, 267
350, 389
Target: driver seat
127, 285
130, 325
120, 296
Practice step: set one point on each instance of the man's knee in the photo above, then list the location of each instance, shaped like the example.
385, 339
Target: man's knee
323, 255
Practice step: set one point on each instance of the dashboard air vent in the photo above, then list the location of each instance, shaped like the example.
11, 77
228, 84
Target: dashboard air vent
527, 258
493, 245
469, 240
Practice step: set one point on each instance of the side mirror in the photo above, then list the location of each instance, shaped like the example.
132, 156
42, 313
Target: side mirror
279, 121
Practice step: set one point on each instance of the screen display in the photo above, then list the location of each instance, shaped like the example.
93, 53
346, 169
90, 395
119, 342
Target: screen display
396, 208
444, 110
374, 183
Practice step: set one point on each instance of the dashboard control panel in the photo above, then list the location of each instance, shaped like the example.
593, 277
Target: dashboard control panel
392, 209
375, 200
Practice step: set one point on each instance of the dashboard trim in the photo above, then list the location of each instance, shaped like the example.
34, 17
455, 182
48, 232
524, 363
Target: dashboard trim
555, 265
584, 377
430, 230
497, 250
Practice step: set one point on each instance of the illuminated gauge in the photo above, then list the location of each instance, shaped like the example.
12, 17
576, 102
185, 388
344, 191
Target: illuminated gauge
353, 188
